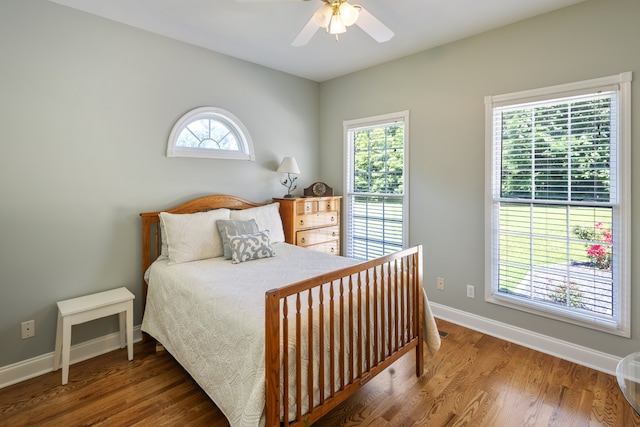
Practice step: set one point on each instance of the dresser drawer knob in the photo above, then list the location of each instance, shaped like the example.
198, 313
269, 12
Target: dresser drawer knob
301, 222
303, 240
333, 234
333, 249
333, 218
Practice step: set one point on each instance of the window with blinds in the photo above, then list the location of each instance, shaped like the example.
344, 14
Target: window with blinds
376, 205
558, 213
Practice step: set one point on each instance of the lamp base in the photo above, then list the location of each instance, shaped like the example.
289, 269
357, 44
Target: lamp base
288, 196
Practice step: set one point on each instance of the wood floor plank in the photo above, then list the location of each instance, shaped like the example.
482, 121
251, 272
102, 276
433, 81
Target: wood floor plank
474, 380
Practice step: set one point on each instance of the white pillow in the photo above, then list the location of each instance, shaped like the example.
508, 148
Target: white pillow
267, 217
191, 237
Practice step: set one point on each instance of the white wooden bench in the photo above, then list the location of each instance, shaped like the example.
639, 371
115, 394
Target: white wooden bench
89, 307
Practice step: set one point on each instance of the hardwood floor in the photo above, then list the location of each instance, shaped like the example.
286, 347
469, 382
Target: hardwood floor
474, 380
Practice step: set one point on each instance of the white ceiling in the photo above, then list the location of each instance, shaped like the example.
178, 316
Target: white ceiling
261, 31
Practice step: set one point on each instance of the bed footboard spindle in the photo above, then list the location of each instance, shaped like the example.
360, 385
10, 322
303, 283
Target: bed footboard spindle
396, 318
321, 362
417, 304
342, 328
272, 360
310, 335
360, 343
298, 358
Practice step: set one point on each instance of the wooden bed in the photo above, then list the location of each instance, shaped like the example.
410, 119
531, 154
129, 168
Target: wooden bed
371, 314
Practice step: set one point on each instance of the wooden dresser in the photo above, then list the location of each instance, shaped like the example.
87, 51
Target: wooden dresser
312, 222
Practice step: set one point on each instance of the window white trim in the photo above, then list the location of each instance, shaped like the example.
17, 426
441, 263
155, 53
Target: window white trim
348, 191
226, 119
621, 322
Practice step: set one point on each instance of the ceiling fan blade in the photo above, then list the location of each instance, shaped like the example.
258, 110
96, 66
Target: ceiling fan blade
307, 32
372, 26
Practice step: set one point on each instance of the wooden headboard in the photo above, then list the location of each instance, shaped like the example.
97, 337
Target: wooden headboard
151, 241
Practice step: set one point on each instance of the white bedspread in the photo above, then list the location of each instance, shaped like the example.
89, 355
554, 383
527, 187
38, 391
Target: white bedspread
209, 315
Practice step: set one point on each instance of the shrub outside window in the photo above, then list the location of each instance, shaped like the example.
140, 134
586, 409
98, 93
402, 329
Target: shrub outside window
210, 132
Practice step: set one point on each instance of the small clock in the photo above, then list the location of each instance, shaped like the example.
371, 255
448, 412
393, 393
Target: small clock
318, 189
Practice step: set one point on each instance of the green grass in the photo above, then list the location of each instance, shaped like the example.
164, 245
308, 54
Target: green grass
550, 226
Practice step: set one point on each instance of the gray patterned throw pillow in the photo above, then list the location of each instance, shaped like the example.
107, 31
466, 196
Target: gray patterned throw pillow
247, 247
230, 227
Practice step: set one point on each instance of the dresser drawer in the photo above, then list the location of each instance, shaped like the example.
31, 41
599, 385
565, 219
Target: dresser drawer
332, 248
307, 206
316, 220
319, 235
311, 206
328, 205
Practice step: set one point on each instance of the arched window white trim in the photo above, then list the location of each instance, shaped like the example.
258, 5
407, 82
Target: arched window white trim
210, 132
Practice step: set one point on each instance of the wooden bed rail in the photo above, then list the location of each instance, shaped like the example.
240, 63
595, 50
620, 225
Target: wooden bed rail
328, 336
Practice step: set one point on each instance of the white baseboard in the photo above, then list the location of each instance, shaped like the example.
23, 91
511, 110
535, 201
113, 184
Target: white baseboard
30, 368
565, 350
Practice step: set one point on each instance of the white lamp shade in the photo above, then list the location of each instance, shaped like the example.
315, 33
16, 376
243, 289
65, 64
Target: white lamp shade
289, 165
337, 26
349, 14
323, 15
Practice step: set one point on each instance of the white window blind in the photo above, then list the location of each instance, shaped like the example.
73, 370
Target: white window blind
558, 212
376, 171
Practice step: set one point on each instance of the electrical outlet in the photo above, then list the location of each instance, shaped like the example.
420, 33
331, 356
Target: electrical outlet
441, 283
28, 329
471, 291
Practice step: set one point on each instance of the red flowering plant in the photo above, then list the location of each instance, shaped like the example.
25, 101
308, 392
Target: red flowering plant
599, 241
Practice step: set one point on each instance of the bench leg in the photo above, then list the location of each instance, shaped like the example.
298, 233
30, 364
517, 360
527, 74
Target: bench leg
66, 348
129, 322
123, 328
58, 348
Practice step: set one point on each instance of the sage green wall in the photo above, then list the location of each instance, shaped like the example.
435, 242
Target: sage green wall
444, 89
86, 106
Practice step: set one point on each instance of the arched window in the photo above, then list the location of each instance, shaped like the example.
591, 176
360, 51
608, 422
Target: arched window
212, 133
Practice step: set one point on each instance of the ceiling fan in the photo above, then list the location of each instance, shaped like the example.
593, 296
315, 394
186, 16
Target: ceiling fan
335, 16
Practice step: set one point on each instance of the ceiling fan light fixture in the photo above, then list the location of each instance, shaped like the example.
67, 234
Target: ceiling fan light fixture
337, 26
323, 16
334, 16
348, 13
